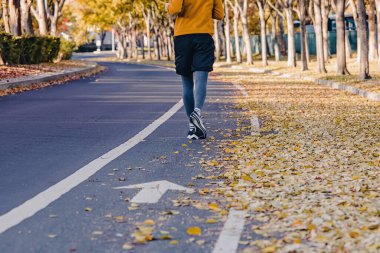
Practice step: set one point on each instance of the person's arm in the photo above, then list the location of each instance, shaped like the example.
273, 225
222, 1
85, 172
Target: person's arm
175, 7
218, 10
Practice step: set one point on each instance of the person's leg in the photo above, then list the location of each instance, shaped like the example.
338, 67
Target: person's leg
188, 93
200, 89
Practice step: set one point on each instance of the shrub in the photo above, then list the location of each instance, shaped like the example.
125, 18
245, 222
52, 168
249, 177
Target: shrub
66, 49
28, 49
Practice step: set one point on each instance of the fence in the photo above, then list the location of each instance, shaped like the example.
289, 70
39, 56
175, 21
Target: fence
311, 42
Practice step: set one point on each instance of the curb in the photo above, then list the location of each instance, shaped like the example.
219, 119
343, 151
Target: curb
374, 96
46, 77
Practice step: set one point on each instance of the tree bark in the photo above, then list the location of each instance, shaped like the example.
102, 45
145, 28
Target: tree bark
244, 23
325, 11
41, 16
341, 38
302, 11
26, 17
216, 40
227, 32
281, 32
236, 33
263, 32
377, 2
372, 31
355, 14
15, 17
277, 55
319, 37
4, 4
290, 25
364, 62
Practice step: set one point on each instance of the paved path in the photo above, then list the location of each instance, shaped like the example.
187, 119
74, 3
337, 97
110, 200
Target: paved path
47, 135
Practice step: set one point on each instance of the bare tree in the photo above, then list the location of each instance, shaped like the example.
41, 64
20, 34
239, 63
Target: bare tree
263, 31
4, 4
355, 14
302, 14
147, 17
341, 38
26, 17
53, 13
372, 30
364, 63
274, 35
325, 11
227, 32
15, 17
319, 37
236, 33
41, 16
244, 23
377, 2
288, 7
217, 40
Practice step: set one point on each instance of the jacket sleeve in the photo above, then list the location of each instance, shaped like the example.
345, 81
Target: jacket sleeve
218, 10
175, 7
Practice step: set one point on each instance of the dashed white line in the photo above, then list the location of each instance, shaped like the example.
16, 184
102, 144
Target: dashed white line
255, 123
43, 199
228, 240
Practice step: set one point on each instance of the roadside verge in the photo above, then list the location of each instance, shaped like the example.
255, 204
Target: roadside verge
9, 86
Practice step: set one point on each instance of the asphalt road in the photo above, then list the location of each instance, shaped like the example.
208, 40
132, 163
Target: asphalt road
48, 134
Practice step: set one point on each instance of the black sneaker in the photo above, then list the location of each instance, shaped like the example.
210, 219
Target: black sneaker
195, 133
196, 119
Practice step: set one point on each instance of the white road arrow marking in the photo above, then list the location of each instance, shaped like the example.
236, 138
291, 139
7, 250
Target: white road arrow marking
152, 191
228, 240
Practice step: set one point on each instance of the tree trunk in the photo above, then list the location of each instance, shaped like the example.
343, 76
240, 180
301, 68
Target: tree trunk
236, 33
325, 10
341, 38
281, 32
246, 37
378, 27
4, 4
263, 32
355, 11
348, 46
217, 41
41, 16
290, 25
227, 32
275, 38
372, 31
302, 10
15, 17
26, 17
319, 37
364, 63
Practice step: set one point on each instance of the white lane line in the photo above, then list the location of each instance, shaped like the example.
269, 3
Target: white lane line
43, 199
228, 240
255, 123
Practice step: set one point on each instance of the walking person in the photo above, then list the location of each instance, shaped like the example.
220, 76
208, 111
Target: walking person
194, 54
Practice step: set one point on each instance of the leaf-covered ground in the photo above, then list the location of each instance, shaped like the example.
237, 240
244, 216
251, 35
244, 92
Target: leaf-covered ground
310, 180
372, 85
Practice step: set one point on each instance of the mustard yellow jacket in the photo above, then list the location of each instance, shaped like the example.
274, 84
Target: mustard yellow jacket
195, 16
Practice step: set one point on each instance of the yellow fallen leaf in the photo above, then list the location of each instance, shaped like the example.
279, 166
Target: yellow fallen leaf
211, 221
269, 249
214, 206
194, 231
149, 222
88, 209
174, 242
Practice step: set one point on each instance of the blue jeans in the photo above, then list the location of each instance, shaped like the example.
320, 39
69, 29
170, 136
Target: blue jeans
190, 99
